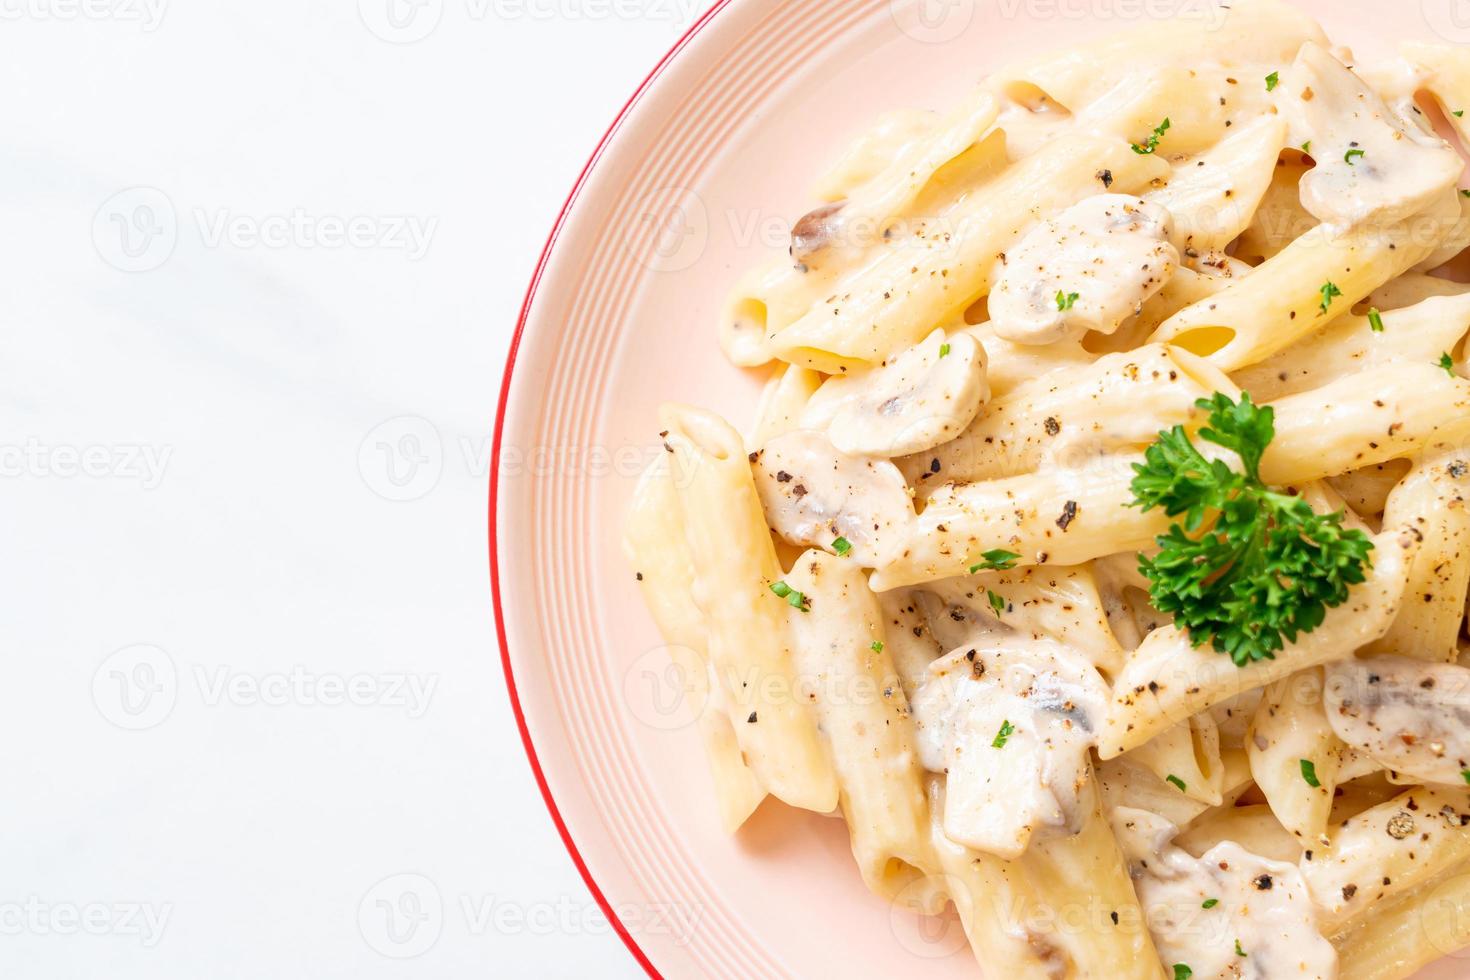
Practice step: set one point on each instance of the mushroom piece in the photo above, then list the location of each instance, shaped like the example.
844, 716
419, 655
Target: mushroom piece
1410, 716
915, 401
1089, 268
1372, 163
813, 495
1229, 912
1011, 722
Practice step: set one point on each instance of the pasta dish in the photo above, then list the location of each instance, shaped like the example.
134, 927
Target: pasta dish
1099, 547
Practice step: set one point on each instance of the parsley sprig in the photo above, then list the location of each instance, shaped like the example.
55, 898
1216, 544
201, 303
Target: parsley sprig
1268, 567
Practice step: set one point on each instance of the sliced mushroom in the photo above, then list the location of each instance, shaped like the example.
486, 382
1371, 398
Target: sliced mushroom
1372, 163
1089, 268
924, 396
816, 230
1010, 722
1410, 716
813, 495
1227, 913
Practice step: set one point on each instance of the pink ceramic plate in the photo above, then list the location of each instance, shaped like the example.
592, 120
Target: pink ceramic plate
700, 177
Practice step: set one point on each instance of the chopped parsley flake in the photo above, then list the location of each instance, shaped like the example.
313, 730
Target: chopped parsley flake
1209, 903
1458, 113
998, 560
1178, 783
842, 546
1329, 292
1375, 320
1309, 773
877, 646
1006, 731
1238, 950
1065, 300
997, 601
1350, 154
1182, 972
1448, 363
1272, 80
943, 350
1153, 141
794, 599
1307, 147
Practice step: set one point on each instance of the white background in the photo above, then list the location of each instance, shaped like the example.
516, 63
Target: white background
250, 666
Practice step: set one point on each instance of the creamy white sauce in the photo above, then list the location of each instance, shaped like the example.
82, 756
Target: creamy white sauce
1089, 268
1371, 162
1261, 909
1042, 702
1410, 716
920, 398
812, 494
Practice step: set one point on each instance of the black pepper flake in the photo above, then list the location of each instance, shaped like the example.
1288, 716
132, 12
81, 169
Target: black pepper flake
640, 575
1106, 176
1069, 514
1114, 916
753, 457
799, 490
1400, 825
783, 477
1263, 883
1052, 426
934, 465
751, 719
1348, 891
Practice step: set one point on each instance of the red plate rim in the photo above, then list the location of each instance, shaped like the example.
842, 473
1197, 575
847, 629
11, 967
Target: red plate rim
510, 361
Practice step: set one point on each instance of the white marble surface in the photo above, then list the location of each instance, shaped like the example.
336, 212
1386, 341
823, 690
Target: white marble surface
261, 264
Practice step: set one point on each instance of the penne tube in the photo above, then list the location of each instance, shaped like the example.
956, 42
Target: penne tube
861, 710
1214, 196
931, 277
1168, 678
1283, 299
1250, 32
782, 400
656, 546
1058, 602
1434, 500
1386, 851
1187, 757
746, 625
1059, 516
1360, 420
1254, 828
1101, 928
1350, 344
989, 893
1279, 219
909, 641
1409, 932
1119, 401
1295, 756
